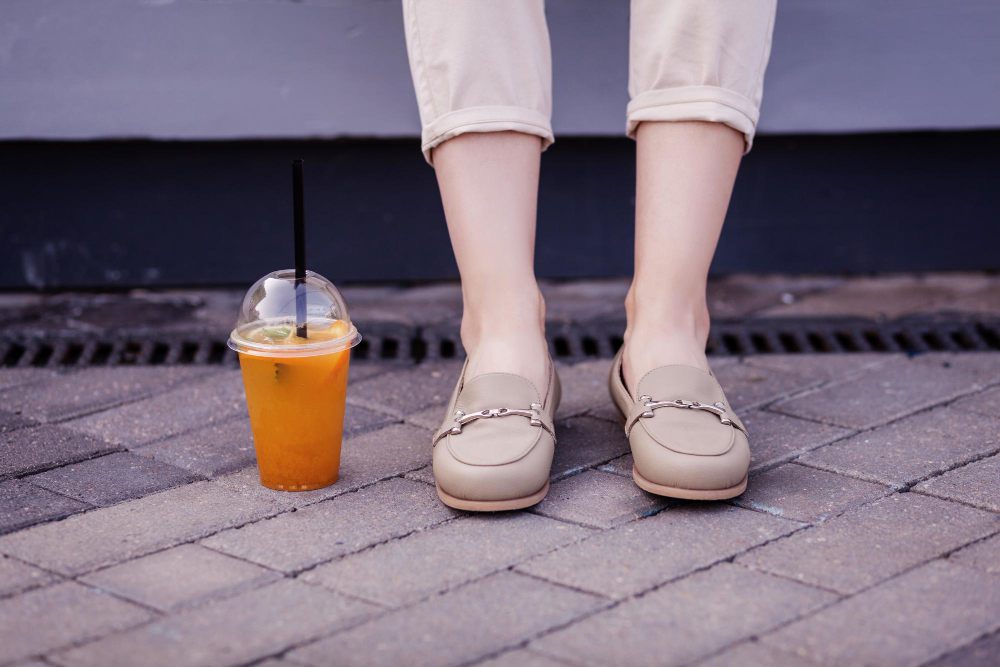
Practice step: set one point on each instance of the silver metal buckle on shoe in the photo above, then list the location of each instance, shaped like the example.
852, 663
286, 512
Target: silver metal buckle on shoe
718, 409
534, 415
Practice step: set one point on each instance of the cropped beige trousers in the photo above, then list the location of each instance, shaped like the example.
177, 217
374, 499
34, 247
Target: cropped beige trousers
486, 65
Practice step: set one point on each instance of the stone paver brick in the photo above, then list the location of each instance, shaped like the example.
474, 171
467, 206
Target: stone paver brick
823, 368
16, 576
975, 484
634, 557
425, 475
357, 295
619, 466
984, 300
10, 421
180, 576
739, 296
748, 387
211, 451
66, 395
195, 403
882, 297
342, 525
911, 449
14, 377
755, 654
980, 653
984, 555
361, 370
229, 632
30, 450
606, 411
981, 368
893, 390
522, 658
409, 389
777, 438
859, 549
134, 528
358, 419
584, 387
417, 306
428, 418
686, 619
598, 499
805, 494
907, 621
497, 612
985, 403
403, 571
23, 504
113, 478
48, 618
585, 300
583, 442
375, 455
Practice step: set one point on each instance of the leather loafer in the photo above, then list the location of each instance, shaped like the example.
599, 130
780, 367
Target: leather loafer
686, 440
494, 449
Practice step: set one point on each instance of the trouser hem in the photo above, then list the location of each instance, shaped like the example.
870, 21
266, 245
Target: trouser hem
485, 119
695, 103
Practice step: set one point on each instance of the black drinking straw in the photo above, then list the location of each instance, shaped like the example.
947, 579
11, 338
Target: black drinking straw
300, 249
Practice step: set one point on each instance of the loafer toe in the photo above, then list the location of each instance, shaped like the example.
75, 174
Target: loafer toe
665, 467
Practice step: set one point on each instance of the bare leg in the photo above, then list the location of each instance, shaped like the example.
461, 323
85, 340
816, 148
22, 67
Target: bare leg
489, 186
685, 175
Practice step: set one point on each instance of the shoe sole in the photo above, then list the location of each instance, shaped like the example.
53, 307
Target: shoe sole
491, 505
688, 494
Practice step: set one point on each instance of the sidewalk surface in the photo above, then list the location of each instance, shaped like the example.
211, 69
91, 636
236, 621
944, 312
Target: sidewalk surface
133, 530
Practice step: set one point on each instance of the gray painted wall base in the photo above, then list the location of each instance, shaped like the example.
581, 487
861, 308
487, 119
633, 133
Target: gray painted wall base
237, 69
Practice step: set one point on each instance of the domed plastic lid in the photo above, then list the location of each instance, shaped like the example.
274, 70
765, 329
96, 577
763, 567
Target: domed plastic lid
266, 324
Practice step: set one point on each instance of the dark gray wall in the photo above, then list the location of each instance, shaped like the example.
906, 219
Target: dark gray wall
220, 69
158, 213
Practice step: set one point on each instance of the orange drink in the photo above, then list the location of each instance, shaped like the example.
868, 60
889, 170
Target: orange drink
296, 406
296, 387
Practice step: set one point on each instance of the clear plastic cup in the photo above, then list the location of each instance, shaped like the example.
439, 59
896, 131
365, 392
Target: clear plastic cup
296, 387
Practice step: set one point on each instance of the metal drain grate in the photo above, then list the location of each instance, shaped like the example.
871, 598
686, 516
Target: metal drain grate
771, 336
567, 342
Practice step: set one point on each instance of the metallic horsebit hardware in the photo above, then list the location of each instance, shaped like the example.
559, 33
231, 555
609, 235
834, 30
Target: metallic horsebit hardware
718, 409
534, 415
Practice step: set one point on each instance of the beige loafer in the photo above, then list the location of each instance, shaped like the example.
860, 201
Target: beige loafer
494, 450
685, 439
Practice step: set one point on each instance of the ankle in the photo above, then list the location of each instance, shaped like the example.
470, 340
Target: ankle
508, 336
510, 317
668, 329
673, 318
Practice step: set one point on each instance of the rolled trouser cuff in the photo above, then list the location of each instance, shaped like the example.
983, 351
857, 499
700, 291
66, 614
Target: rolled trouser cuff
695, 103
486, 119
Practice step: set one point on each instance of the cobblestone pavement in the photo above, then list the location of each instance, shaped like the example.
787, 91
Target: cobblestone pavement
133, 529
